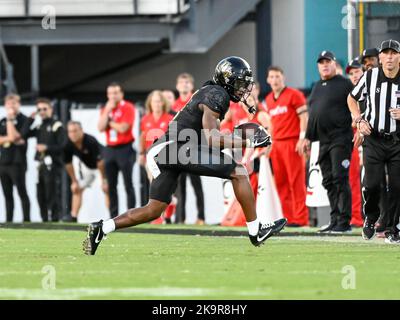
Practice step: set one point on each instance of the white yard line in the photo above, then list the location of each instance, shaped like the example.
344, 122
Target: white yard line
337, 239
79, 293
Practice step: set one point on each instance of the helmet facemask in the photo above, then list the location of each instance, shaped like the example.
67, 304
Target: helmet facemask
242, 88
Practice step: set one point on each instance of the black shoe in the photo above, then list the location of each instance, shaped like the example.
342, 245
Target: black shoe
267, 230
69, 218
369, 230
94, 236
341, 229
392, 238
327, 229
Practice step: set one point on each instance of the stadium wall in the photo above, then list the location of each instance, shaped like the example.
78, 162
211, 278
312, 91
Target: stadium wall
161, 71
323, 31
288, 39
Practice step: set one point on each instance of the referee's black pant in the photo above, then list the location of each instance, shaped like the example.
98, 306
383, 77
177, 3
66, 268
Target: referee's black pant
10, 176
334, 161
116, 159
379, 151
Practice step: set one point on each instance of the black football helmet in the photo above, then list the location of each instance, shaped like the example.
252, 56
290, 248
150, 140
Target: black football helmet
235, 76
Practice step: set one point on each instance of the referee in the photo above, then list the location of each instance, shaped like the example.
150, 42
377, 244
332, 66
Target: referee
380, 124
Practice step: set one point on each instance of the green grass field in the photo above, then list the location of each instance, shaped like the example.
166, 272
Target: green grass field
166, 266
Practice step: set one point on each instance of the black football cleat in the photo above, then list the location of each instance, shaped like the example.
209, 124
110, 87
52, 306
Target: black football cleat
94, 236
369, 230
267, 230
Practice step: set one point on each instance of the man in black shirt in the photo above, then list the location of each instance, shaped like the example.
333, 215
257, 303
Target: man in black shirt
193, 144
13, 157
380, 124
51, 139
89, 152
330, 124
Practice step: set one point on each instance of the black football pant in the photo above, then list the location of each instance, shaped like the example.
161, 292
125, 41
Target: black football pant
10, 176
49, 192
181, 195
178, 158
334, 161
116, 159
377, 153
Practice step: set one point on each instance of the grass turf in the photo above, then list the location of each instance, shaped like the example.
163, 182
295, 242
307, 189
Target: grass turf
164, 266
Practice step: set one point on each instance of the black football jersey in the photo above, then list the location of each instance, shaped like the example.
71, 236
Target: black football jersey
190, 117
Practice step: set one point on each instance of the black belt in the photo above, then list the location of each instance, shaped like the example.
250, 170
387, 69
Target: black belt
121, 146
387, 136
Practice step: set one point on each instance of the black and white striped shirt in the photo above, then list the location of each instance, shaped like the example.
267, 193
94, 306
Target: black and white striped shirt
380, 94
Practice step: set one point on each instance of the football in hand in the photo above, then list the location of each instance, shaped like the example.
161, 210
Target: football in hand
256, 133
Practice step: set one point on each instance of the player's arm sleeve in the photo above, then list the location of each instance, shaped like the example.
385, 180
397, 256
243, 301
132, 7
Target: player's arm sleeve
359, 92
216, 101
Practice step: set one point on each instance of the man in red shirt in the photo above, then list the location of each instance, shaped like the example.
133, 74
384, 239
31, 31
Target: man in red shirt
116, 120
169, 95
355, 72
288, 112
185, 86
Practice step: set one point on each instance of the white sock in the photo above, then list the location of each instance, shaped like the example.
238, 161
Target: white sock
253, 227
108, 226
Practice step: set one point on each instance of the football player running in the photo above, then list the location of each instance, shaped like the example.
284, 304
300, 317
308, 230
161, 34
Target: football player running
193, 144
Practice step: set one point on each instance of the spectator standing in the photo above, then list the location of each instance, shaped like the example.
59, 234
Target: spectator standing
89, 152
330, 124
369, 58
152, 126
354, 71
51, 139
169, 95
380, 125
13, 157
185, 87
239, 114
287, 110
116, 120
